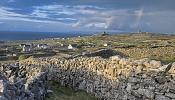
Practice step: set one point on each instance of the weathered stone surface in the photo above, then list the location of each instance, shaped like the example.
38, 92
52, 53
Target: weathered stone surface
13, 79
1, 86
155, 64
171, 95
161, 97
129, 88
3, 98
115, 78
146, 93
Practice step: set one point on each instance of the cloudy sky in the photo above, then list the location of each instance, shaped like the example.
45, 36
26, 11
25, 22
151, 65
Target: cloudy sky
87, 15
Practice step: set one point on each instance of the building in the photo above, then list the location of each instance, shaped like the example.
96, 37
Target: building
9, 49
105, 44
70, 47
42, 46
62, 44
26, 48
21, 45
11, 55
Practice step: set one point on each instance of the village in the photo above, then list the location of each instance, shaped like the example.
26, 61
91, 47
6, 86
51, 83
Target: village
29, 49
133, 45
41, 48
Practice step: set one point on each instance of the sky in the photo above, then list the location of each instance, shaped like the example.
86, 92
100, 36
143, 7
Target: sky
87, 15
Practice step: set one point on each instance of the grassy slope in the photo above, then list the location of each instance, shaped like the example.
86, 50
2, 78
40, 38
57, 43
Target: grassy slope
65, 93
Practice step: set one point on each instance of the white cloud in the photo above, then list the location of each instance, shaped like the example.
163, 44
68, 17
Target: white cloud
93, 17
54, 9
38, 13
98, 25
106, 19
7, 14
70, 19
88, 6
83, 15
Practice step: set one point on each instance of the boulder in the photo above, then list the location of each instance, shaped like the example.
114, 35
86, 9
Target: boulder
155, 64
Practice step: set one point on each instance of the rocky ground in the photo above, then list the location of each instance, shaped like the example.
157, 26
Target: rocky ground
110, 78
22, 82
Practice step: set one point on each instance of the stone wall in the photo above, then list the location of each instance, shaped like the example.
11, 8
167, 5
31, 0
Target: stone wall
22, 82
115, 78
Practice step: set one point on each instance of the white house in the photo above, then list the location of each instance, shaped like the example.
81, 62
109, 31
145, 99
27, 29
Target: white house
62, 44
105, 44
42, 46
70, 47
26, 48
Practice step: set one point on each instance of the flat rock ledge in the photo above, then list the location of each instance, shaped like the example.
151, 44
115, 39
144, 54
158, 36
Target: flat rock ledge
115, 78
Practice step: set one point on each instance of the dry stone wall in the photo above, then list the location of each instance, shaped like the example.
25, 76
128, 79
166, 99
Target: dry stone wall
115, 78
22, 82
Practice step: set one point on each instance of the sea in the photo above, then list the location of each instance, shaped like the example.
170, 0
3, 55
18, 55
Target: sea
12, 36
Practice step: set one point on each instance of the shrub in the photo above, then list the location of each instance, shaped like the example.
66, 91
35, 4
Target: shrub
22, 57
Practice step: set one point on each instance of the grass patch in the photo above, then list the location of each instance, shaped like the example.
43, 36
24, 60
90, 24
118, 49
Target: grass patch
165, 60
66, 93
22, 57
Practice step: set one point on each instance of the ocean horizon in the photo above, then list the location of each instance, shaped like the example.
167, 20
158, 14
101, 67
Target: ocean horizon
12, 36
